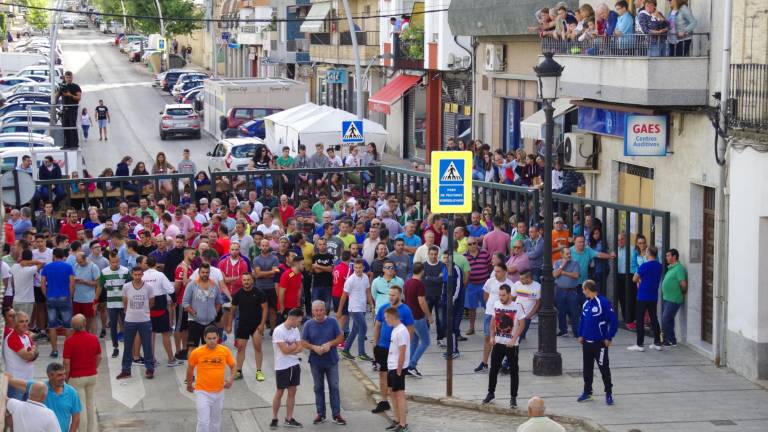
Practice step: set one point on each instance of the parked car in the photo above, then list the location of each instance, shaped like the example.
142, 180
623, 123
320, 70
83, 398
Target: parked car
188, 97
24, 117
170, 78
36, 127
11, 81
43, 71
189, 76
21, 105
179, 119
239, 115
135, 51
253, 129
81, 22
36, 78
67, 23
24, 139
36, 97
42, 88
125, 41
188, 85
232, 154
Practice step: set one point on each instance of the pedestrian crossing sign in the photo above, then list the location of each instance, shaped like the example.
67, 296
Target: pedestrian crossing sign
451, 185
352, 132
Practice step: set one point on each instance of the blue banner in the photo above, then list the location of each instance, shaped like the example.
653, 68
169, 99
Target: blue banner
603, 121
336, 76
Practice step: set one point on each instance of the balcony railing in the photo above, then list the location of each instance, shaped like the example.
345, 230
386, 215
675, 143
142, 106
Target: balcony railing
634, 45
370, 38
749, 97
320, 38
408, 53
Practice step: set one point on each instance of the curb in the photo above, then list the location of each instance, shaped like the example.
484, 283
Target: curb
371, 388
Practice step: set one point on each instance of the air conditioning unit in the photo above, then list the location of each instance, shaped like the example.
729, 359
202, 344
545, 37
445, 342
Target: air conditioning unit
494, 57
578, 149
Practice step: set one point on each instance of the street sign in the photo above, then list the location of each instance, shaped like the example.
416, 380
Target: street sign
233, 45
352, 132
225, 36
161, 44
451, 190
336, 76
18, 188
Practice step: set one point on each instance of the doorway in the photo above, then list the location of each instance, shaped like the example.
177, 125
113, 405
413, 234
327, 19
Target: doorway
708, 265
635, 189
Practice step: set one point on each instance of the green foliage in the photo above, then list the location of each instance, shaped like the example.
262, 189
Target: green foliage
170, 8
413, 41
2, 24
38, 18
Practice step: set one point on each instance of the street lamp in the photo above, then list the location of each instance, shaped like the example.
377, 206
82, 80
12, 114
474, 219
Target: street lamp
547, 361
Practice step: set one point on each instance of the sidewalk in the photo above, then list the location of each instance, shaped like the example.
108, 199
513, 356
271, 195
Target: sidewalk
675, 389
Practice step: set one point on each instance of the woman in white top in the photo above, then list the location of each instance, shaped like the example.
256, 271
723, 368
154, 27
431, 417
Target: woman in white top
85, 122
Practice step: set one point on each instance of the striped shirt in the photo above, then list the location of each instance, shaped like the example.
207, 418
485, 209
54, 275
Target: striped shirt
479, 266
112, 282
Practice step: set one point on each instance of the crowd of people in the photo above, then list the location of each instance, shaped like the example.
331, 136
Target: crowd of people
251, 264
639, 28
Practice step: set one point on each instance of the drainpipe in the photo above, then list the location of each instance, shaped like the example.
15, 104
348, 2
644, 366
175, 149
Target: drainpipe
721, 296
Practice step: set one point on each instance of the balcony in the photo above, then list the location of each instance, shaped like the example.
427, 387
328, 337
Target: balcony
634, 69
364, 38
748, 106
336, 48
320, 39
408, 50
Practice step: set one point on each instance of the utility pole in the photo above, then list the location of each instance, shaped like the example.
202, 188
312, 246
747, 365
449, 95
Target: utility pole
358, 69
125, 20
164, 55
55, 18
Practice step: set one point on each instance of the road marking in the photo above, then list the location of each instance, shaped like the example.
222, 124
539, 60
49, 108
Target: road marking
128, 391
245, 422
181, 374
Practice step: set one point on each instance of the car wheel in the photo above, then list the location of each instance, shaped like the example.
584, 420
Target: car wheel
198, 135
162, 136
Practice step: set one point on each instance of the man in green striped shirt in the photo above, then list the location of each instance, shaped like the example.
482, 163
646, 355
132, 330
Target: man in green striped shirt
110, 286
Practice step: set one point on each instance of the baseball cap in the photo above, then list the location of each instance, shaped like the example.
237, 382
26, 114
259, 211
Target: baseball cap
558, 219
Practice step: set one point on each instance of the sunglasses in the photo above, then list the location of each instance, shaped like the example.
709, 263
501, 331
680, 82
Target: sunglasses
389, 268
471, 243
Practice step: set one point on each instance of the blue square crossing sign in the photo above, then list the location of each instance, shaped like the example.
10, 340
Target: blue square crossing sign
451, 186
352, 132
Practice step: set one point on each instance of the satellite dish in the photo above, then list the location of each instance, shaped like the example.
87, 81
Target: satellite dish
18, 188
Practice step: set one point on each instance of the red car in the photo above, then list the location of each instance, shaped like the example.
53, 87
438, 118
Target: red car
239, 115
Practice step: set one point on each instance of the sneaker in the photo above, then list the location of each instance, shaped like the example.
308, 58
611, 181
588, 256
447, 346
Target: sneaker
124, 375
260, 376
364, 357
381, 407
481, 368
637, 348
273, 424
584, 397
103, 334
562, 333
119, 336
413, 372
656, 347
401, 428
470, 332
441, 343
181, 355
115, 352
347, 355
149, 374
454, 355
292, 423
488, 398
319, 419
54, 354
632, 327
339, 420
513, 403
608, 399
139, 360
462, 339
173, 363
238, 376
392, 426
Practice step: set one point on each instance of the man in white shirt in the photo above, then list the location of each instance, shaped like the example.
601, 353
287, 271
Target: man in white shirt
159, 313
23, 275
357, 292
490, 296
286, 340
267, 227
45, 255
506, 327
19, 352
32, 415
538, 422
398, 359
528, 295
422, 251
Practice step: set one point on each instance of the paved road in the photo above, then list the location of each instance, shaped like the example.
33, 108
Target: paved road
126, 88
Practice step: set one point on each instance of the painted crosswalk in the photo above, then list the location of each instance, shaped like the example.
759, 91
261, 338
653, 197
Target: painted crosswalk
128, 392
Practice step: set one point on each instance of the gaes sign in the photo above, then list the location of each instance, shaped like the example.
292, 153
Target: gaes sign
451, 185
646, 135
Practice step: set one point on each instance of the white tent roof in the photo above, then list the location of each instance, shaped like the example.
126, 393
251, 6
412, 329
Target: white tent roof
283, 117
330, 122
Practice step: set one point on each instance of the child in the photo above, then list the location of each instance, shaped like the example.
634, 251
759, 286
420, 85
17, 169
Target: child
597, 328
397, 361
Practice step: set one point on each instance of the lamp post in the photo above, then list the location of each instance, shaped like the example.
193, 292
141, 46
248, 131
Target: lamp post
547, 361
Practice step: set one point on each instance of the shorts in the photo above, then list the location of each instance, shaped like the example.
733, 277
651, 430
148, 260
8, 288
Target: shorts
473, 299
102, 123
182, 319
103, 296
396, 382
487, 325
290, 377
161, 324
39, 296
336, 301
24, 307
245, 330
86, 309
380, 357
271, 295
59, 312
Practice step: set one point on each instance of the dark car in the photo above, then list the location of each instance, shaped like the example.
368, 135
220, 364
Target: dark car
253, 128
239, 115
170, 79
22, 105
38, 97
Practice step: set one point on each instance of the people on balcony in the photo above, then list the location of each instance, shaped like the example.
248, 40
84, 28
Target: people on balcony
681, 25
651, 22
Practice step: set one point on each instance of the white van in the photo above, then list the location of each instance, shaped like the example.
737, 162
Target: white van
68, 160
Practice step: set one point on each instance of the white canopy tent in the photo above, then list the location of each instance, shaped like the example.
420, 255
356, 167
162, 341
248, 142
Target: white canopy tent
310, 124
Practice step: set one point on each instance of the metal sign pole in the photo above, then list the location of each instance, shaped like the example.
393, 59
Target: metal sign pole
450, 288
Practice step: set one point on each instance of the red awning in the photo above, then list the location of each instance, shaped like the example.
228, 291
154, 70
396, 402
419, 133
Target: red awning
383, 99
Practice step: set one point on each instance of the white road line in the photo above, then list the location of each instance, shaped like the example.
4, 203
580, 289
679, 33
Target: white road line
181, 374
129, 391
245, 422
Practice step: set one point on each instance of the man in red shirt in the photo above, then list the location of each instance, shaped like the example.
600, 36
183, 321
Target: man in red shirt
221, 245
71, 226
181, 279
286, 209
340, 274
82, 355
289, 289
20, 351
233, 267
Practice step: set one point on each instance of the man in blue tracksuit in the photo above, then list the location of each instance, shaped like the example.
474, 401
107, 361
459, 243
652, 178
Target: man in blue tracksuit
597, 328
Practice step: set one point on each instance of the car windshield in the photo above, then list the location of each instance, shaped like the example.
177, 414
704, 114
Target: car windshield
244, 151
178, 111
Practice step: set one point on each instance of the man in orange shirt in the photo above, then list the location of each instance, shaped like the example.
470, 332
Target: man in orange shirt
560, 239
211, 361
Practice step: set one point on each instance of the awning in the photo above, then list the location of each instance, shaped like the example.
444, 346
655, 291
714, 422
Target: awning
533, 126
382, 100
313, 22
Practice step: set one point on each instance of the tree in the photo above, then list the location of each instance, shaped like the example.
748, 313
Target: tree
37, 18
171, 9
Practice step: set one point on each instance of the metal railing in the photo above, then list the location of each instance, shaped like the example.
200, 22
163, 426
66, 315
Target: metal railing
749, 97
511, 203
633, 45
363, 38
403, 53
320, 39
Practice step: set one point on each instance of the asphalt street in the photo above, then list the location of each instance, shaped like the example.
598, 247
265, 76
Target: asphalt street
126, 88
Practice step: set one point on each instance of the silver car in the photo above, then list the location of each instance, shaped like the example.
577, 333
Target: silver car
179, 119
